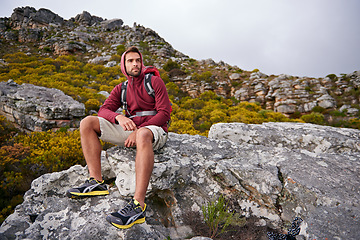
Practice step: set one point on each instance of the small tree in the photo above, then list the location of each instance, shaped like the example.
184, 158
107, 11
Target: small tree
216, 216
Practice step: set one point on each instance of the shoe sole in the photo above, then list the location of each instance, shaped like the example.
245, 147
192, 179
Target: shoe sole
89, 194
141, 220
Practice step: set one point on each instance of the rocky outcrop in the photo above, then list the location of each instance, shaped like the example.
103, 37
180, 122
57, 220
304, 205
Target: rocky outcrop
112, 24
29, 35
86, 19
289, 94
286, 94
80, 34
35, 108
66, 48
29, 17
273, 171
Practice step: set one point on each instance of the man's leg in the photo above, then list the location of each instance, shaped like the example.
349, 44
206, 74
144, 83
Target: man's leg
91, 146
134, 211
144, 163
94, 186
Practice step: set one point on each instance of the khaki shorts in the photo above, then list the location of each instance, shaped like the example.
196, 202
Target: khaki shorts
115, 134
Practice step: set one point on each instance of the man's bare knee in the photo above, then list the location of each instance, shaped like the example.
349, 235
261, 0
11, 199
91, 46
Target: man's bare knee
90, 123
144, 135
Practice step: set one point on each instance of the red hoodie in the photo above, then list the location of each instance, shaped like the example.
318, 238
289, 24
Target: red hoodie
139, 100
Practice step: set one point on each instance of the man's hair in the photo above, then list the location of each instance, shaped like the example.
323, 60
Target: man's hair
132, 49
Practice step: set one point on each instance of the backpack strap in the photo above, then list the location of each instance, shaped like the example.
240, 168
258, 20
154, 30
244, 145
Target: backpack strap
123, 96
144, 113
149, 90
147, 84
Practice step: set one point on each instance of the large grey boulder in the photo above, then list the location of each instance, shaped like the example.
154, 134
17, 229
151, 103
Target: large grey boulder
273, 172
112, 24
319, 167
36, 108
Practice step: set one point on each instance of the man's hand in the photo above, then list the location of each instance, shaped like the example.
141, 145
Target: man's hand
131, 140
126, 123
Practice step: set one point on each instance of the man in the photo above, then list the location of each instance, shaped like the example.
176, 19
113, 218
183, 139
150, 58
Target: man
143, 127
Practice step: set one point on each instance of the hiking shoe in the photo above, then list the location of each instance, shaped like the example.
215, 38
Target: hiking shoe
90, 188
131, 214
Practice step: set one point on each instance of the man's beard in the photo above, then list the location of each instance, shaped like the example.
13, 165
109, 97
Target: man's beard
134, 74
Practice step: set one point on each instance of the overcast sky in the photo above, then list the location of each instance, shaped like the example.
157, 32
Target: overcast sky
297, 37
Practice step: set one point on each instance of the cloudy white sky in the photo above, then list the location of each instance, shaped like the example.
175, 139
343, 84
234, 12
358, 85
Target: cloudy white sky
302, 38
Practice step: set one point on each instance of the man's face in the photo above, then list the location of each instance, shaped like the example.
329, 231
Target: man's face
133, 64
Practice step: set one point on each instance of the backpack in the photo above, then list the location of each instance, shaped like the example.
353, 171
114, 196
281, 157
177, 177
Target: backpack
149, 72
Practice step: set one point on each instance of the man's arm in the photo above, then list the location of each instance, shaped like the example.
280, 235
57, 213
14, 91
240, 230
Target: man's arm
111, 104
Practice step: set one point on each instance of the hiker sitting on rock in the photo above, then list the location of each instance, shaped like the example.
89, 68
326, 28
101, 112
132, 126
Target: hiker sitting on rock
144, 126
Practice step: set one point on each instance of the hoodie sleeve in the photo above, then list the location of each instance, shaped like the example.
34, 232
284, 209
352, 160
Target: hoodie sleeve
162, 104
111, 104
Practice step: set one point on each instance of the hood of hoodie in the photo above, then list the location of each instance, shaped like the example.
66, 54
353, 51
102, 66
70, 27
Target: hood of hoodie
123, 69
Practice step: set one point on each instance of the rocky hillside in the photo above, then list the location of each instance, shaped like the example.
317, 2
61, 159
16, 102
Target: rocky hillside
97, 40
269, 174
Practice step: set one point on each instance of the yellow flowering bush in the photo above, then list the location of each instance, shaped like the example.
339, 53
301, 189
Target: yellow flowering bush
53, 150
24, 157
92, 104
76, 79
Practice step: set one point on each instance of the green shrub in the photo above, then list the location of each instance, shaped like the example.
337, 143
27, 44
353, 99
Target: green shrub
209, 95
172, 89
315, 117
354, 123
120, 49
164, 76
205, 76
7, 130
333, 77
337, 113
116, 58
47, 49
170, 65
318, 109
